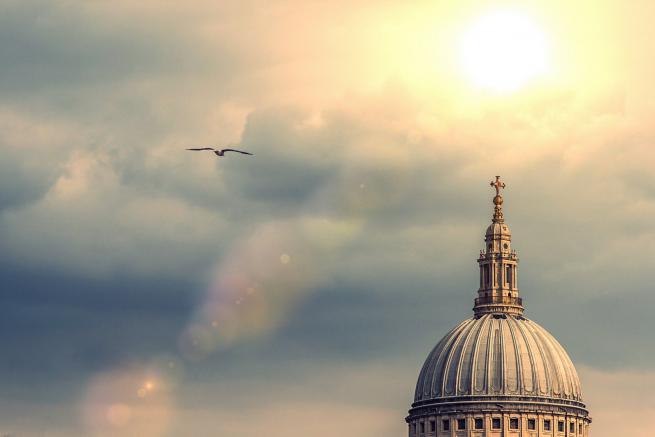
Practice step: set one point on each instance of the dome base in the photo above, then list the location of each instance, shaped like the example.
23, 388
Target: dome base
498, 419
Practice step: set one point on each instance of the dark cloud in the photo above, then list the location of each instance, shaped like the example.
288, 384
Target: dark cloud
291, 164
63, 50
58, 326
20, 184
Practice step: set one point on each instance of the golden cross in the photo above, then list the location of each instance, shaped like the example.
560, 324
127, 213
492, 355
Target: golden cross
497, 184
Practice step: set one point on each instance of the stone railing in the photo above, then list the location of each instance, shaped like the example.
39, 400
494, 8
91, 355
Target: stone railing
502, 300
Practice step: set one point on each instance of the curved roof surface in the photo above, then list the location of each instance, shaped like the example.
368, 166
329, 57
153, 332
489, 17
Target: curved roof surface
498, 355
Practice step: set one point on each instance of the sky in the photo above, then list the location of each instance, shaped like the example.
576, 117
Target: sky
150, 291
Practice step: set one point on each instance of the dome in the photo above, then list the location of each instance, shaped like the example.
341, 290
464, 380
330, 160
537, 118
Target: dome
498, 373
498, 355
495, 230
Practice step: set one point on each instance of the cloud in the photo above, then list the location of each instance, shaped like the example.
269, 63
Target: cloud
370, 174
119, 45
33, 150
91, 224
403, 202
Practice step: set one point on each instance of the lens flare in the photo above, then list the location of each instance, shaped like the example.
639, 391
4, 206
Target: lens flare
260, 281
128, 401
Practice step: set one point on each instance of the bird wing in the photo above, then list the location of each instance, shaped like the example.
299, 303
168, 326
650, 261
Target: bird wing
201, 148
235, 150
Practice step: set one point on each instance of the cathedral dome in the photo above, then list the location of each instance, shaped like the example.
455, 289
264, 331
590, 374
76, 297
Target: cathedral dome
498, 355
498, 373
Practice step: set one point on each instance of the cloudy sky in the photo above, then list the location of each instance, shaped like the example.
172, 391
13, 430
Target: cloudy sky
150, 291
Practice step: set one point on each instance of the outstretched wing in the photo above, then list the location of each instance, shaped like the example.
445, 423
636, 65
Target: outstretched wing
235, 150
201, 148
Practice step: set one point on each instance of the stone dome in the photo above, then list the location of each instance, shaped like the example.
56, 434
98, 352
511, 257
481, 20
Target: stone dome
498, 373
498, 355
495, 230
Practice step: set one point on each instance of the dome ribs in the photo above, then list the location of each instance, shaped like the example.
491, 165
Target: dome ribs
481, 380
570, 375
554, 366
445, 358
510, 366
431, 378
498, 355
547, 374
466, 367
536, 359
496, 360
423, 385
522, 362
452, 364
421, 390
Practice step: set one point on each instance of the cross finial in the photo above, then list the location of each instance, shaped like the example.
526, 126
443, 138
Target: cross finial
497, 184
498, 200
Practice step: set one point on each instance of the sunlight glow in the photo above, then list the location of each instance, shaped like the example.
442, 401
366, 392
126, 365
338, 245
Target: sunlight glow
503, 50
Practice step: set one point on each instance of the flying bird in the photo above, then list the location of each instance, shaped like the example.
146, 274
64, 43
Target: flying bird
219, 152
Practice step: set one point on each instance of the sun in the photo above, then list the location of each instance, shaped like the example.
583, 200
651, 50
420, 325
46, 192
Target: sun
503, 50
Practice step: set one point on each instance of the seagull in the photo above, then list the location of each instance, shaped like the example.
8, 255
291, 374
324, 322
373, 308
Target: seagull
219, 152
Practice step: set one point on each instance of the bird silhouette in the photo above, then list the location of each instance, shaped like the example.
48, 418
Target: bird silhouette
218, 152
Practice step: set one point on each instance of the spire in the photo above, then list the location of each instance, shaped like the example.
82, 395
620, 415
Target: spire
498, 292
